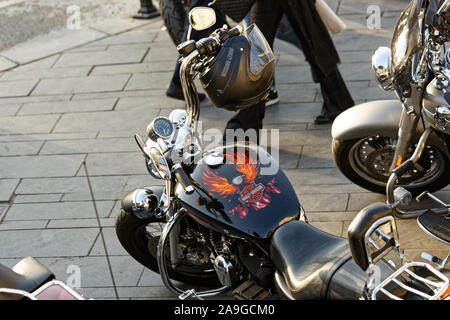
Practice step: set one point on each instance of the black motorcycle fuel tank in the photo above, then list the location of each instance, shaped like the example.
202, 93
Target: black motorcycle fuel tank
242, 187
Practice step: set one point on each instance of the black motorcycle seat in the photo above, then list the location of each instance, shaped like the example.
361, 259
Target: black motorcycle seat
27, 275
307, 258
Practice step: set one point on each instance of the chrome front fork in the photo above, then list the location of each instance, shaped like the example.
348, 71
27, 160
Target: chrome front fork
407, 129
171, 226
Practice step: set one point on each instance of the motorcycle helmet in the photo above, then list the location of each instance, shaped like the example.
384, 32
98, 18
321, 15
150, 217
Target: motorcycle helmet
241, 74
436, 107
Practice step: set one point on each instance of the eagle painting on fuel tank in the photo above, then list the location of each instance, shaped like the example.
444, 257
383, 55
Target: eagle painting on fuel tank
243, 187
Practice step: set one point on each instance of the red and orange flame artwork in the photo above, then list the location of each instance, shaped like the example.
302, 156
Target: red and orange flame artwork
251, 194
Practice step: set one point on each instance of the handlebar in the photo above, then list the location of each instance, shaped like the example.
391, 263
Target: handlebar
208, 45
183, 178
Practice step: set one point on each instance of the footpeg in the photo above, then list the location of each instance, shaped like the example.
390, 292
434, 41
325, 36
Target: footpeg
188, 294
437, 226
250, 291
441, 263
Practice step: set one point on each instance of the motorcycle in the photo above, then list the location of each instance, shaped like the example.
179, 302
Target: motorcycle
31, 280
371, 139
220, 223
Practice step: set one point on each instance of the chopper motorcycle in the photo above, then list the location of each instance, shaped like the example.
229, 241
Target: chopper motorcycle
224, 220
371, 139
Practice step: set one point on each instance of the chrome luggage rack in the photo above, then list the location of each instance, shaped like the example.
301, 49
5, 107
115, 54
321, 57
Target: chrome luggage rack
437, 287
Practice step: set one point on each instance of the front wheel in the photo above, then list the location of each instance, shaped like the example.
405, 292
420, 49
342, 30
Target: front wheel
140, 238
174, 13
367, 162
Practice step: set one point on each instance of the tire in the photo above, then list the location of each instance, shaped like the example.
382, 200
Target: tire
343, 155
134, 237
173, 13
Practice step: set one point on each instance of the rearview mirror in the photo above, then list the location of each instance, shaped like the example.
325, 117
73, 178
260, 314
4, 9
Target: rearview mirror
372, 234
201, 18
159, 163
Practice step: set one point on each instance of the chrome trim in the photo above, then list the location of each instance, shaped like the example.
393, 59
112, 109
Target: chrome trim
18, 292
393, 178
32, 295
381, 65
140, 201
443, 7
372, 229
163, 267
438, 290
223, 268
59, 283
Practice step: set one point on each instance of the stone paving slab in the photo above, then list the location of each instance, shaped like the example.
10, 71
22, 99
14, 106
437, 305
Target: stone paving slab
50, 44
34, 74
71, 184
58, 210
47, 243
67, 106
20, 148
104, 121
10, 109
107, 57
6, 64
16, 88
39, 166
27, 125
7, 187
81, 85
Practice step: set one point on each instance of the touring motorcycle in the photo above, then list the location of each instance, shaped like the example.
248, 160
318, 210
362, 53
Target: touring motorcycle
226, 219
371, 139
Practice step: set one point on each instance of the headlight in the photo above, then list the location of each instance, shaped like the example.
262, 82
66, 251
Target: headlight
381, 64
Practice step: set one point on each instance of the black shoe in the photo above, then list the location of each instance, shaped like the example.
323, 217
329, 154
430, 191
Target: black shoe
272, 98
177, 93
325, 118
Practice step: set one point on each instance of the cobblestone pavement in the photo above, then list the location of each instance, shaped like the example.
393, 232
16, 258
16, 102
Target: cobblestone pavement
82, 95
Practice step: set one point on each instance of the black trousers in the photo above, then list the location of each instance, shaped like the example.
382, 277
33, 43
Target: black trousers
197, 35
267, 14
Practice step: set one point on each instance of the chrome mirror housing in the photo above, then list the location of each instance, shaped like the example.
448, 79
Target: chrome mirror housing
381, 64
201, 18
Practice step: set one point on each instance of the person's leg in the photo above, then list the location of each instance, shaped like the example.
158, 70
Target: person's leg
336, 97
267, 14
249, 118
175, 90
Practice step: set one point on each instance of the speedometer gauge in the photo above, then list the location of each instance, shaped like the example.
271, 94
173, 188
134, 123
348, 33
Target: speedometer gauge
160, 127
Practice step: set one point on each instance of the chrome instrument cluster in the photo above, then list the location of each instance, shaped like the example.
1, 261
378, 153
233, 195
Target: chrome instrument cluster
160, 127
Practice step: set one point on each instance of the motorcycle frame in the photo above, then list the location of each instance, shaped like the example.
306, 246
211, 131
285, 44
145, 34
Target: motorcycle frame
399, 213
172, 223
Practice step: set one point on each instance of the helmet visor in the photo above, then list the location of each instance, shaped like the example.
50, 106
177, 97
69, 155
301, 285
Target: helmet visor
260, 52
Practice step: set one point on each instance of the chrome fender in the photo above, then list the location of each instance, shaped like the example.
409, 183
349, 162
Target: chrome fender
376, 117
367, 119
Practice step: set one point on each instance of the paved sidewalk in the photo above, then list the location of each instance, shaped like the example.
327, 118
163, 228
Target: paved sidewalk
82, 98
